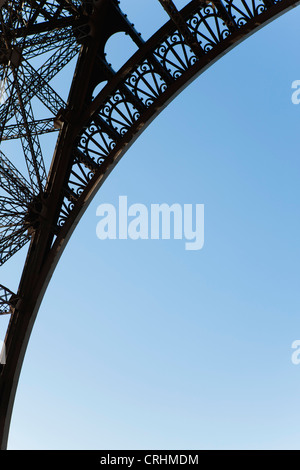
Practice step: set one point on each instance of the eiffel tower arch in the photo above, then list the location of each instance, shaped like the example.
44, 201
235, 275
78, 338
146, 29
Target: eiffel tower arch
92, 127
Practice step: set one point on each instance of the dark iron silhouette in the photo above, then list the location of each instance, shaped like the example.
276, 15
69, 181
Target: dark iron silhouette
38, 39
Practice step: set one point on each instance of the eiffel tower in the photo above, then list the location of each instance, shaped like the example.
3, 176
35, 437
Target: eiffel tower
42, 201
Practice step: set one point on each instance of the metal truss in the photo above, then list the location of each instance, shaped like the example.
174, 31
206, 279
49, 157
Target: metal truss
7, 300
41, 202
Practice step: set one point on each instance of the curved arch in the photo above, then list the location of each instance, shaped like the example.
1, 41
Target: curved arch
119, 48
96, 141
151, 79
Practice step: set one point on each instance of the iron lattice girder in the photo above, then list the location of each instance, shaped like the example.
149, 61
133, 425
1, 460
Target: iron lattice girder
12, 242
13, 228
95, 133
47, 41
31, 146
24, 13
7, 300
36, 83
13, 182
32, 82
37, 127
20, 84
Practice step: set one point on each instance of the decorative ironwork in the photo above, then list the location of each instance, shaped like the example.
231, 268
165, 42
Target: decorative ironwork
209, 27
242, 11
38, 39
209, 23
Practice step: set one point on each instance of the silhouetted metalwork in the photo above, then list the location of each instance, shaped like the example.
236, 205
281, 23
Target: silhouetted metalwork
41, 202
7, 300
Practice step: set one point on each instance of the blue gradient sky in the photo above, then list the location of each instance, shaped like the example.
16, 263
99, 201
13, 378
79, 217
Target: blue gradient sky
144, 345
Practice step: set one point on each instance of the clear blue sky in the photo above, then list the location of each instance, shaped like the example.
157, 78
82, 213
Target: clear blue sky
144, 345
